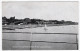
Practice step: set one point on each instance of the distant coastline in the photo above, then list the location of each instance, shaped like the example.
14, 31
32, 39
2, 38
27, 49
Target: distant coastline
28, 21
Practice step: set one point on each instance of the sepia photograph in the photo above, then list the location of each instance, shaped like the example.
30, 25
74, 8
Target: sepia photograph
40, 25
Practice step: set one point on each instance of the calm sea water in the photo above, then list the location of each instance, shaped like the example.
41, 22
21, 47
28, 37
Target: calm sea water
50, 29
22, 41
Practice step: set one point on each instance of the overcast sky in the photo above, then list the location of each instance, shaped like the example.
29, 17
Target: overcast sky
67, 11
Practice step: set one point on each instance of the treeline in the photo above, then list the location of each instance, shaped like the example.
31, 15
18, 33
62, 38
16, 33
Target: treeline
25, 21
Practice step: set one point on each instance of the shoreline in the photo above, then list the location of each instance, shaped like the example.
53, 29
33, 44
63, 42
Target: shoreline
13, 27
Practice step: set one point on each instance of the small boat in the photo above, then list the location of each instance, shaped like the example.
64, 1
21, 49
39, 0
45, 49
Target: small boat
45, 27
8, 28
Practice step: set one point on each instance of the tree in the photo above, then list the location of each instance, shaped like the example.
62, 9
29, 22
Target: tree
26, 21
12, 19
4, 20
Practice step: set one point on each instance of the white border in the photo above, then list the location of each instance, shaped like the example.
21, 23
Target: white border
0, 26
31, 0
39, 0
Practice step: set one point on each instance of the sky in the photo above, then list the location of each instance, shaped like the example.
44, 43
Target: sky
67, 11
